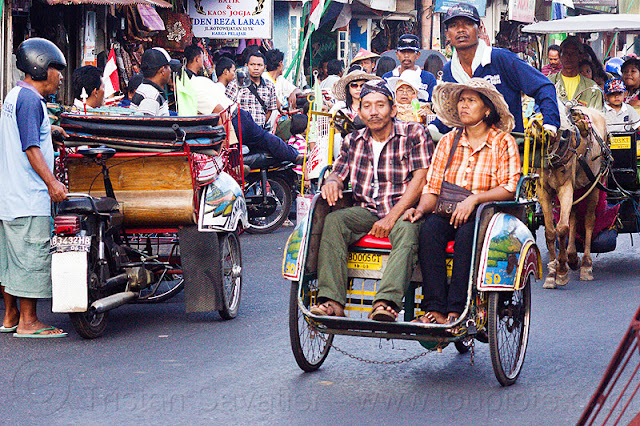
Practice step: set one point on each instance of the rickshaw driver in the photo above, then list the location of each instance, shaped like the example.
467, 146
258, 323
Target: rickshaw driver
386, 163
502, 68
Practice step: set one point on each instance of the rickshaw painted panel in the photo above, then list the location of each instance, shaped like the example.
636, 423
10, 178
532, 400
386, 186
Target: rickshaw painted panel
222, 206
294, 252
504, 243
530, 263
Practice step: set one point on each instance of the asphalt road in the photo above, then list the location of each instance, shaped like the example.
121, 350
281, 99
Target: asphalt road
157, 365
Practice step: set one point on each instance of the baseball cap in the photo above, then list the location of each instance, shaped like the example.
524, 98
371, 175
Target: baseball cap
614, 85
408, 42
157, 57
464, 10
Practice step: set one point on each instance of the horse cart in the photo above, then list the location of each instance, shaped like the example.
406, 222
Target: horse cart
153, 207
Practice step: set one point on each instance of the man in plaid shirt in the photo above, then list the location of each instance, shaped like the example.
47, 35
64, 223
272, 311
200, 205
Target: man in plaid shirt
265, 89
386, 163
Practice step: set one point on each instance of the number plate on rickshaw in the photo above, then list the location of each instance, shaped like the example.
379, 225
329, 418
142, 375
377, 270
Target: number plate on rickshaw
72, 243
369, 261
620, 142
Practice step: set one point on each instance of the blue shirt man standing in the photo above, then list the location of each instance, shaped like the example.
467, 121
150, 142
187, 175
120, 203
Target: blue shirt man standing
508, 73
27, 187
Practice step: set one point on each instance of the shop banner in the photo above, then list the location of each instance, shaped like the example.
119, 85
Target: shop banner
610, 3
89, 45
522, 10
242, 19
443, 5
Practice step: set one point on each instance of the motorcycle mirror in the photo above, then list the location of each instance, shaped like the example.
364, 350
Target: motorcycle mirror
244, 79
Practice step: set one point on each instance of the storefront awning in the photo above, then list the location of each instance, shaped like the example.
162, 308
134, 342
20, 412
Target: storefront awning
158, 3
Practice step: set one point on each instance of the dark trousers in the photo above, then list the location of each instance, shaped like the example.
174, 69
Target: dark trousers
435, 233
258, 139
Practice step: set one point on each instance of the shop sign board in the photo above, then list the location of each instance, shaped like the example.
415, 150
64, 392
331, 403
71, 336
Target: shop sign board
522, 10
443, 5
610, 3
239, 19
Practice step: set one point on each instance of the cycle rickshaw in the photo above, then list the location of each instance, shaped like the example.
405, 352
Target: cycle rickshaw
506, 260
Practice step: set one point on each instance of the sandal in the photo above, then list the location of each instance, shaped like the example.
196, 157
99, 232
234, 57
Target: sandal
329, 308
379, 312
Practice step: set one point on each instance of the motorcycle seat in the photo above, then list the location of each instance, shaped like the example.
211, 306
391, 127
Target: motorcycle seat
262, 160
83, 205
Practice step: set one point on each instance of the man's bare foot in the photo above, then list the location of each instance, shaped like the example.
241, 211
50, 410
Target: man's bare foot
30, 328
11, 318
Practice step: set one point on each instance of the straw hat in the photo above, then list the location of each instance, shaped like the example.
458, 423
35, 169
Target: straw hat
363, 54
445, 102
412, 79
340, 86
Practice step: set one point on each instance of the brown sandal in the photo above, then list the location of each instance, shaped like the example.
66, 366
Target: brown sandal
328, 308
379, 312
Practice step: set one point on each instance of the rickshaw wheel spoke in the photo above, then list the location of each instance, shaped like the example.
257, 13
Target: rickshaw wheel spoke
310, 346
508, 324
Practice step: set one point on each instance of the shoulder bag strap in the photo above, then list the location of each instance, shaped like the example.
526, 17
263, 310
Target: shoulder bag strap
454, 145
252, 89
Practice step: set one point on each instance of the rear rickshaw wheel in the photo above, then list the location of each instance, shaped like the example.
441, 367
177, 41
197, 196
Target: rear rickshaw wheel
231, 258
310, 346
89, 324
508, 324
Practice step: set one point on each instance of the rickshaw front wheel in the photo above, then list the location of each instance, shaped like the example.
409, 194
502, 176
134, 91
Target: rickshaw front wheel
508, 324
88, 324
310, 346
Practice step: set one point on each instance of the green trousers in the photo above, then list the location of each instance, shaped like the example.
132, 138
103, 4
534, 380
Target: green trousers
346, 226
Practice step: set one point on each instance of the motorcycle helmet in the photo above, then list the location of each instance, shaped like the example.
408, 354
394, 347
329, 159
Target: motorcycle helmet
614, 65
35, 55
244, 79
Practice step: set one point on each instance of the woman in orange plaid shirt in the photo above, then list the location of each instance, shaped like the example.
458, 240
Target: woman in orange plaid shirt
479, 155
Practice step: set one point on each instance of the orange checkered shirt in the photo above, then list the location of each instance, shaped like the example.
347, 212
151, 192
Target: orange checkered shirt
495, 163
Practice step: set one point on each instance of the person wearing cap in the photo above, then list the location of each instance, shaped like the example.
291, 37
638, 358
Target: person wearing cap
27, 188
407, 91
386, 163
479, 155
156, 66
620, 117
408, 52
509, 74
367, 60
569, 83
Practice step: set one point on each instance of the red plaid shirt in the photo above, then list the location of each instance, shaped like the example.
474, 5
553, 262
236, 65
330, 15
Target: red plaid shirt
409, 148
249, 103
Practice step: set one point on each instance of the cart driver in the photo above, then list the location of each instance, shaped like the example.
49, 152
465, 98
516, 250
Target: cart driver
386, 163
508, 73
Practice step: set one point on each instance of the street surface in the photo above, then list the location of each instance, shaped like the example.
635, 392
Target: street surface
157, 365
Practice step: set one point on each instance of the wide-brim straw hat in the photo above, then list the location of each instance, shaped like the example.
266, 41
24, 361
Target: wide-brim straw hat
445, 102
412, 79
340, 86
363, 54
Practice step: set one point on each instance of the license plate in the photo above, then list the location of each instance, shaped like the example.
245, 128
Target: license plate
620, 142
367, 261
72, 243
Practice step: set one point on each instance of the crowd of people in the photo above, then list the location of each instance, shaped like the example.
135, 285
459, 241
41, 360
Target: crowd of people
395, 170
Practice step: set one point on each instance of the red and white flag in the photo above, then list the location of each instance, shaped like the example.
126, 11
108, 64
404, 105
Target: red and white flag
110, 76
315, 14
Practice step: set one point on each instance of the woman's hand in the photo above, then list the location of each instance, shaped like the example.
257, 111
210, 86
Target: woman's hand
412, 215
424, 110
463, 211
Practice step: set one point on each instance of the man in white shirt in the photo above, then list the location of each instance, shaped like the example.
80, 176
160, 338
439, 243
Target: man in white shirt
225, 71
285, 90
334, 69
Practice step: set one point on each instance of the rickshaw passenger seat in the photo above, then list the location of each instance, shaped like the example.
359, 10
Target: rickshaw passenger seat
371, 242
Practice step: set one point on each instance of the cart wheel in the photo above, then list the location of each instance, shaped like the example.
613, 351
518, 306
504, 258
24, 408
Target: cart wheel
463, 345
310, 347
90, 325
231, 274
509, 317
281, 191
